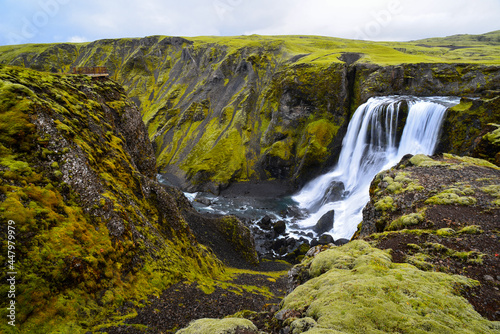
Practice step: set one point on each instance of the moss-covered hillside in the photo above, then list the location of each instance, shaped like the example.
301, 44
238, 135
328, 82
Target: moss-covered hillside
93, 228
225, 109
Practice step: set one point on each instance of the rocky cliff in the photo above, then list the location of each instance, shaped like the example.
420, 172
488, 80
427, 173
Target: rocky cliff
222, 110
425, 260
93, 228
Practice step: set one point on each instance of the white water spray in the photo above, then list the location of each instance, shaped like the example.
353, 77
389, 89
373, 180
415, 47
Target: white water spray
371, 145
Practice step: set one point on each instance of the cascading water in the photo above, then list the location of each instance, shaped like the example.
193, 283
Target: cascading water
375, 140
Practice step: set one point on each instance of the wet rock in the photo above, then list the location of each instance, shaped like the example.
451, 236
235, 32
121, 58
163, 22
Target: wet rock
325, 239
204, 201
325, 223
278, 244
294, 212
265, 223
279, 227
335, 191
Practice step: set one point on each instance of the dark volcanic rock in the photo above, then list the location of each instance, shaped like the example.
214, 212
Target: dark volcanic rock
325, 239
279, 227
227, 236
340, 242
335, 192
325, 223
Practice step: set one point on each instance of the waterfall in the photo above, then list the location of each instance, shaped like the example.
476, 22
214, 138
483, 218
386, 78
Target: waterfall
377, 137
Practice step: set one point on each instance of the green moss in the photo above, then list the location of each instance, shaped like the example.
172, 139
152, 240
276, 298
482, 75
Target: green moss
302, 325
406, 221
425, 161
385, 204
451, 197
218, 157
219, 326
471, 229
75, 272
318, 136
373, 294
420, 260
493, 136
432, 251
471, 161
281, 149
445, 232
493, 190
238, 234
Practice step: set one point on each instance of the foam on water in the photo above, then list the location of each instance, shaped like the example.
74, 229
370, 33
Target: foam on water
374, 141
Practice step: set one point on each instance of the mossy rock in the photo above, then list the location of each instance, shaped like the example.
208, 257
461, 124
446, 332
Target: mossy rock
77, 176
220, 326
358, 289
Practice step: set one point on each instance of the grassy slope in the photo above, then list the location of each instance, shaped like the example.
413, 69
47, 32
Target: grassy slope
483, 49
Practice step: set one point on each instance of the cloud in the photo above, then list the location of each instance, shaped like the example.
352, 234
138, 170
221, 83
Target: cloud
77, 39
386, 19
61, 20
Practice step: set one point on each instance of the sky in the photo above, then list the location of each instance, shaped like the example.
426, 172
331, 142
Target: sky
50, 21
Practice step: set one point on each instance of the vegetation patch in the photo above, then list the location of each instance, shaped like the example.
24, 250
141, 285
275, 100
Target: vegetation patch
89, 236
451, 196
406, 221
357, 288
216, 326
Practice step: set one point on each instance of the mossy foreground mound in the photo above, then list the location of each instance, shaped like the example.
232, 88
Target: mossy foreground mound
93, 228
357, 288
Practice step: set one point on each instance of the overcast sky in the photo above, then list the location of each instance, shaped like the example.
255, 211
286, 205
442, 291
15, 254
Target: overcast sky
48, 21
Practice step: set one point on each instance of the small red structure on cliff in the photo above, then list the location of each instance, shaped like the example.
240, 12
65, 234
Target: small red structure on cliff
96, 71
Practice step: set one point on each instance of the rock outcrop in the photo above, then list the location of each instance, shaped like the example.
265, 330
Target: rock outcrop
93, 227
471, 128
441, 214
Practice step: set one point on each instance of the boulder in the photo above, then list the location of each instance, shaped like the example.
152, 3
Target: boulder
325, 223
335, 192
341, 242
325, 239
265, 223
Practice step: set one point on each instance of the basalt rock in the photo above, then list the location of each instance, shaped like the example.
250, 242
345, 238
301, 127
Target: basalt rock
325, 223
469, 129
